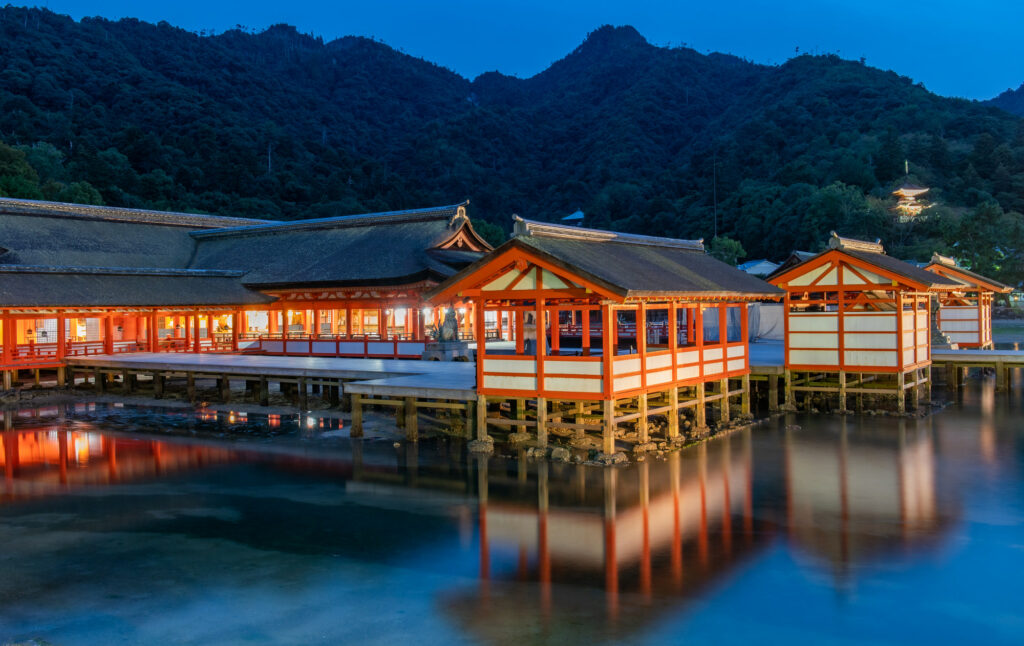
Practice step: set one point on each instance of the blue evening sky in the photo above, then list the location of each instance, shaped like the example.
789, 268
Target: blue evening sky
962, 48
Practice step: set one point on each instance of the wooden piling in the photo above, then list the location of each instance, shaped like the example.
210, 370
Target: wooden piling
412, 432
481, 418
264, 392
356, 430
542, 422
723, 403
673, 413
773, 393
641, 422
745, 397
701, 413
608, 426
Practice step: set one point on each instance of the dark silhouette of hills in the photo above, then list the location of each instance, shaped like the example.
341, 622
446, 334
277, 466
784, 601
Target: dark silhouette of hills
642, 138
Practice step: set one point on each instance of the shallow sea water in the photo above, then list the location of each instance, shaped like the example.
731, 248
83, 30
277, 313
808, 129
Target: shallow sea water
147, 526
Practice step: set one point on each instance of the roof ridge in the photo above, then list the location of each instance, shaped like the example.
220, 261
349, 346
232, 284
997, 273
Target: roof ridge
852, 244
18, 206
939, 259
526, 228
125, 271
449, 211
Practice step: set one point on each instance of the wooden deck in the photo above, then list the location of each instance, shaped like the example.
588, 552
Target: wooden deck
432, 378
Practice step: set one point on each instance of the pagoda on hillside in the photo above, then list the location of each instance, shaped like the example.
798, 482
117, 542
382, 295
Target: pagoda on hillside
908, 203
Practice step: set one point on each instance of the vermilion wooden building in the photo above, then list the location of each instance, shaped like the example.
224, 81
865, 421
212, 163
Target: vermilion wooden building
88, 280
965, 316
858, 321
347, 286
626, 326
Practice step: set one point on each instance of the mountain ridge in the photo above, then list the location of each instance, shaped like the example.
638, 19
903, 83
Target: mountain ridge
280, 124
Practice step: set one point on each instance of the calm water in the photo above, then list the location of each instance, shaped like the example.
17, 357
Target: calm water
142, 526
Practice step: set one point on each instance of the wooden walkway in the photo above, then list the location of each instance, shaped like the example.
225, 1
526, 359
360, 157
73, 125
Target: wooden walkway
957, 362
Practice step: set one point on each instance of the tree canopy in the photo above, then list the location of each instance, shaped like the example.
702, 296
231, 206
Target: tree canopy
645, 139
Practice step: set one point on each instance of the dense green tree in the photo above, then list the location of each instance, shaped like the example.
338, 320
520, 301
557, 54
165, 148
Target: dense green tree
645, 139
727, 250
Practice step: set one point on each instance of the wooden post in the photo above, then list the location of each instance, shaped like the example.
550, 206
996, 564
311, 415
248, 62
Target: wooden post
264, 392
481, 417
673, 412
471, 419
357, 417
61, 339
701, 416
108, 334
745, 397
542, 421
97, 378
197, 344
773, 393
928, 384
1000, 377
126, 382
788, 395
190, 386
608, 436
303, 394
412, 432
724, 401
901, 399
641, 422
158, 385
236, 323
225, 389
842, 390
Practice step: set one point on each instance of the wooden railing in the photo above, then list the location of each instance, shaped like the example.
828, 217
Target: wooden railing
323, 345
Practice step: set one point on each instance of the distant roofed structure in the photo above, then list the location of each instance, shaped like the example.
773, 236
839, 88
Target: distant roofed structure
908, 203
574, 219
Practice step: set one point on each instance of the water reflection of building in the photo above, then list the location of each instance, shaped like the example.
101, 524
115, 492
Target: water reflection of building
869, 491
644, 538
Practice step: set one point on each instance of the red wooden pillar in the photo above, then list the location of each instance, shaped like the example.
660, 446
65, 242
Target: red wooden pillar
196, 343
108, 334
236, 324
348, 321
555, 332
154, 333
61, 337
745, 332
585, 331
481, 344
641, 342
382, 323
316, 321
8, 338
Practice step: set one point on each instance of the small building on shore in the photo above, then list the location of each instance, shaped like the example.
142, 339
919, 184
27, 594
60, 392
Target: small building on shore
965, 315
607, 328
857, 321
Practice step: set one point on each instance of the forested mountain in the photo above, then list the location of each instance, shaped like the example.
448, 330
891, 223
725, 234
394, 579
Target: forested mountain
1010, 100
642, 138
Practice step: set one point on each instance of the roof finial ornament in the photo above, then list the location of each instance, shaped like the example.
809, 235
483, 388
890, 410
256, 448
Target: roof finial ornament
460, 215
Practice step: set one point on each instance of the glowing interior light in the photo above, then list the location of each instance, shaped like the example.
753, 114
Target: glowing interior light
427, 311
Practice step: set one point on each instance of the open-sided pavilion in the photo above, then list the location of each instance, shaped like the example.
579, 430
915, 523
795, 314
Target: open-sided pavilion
608, 328
857, 321
965, 315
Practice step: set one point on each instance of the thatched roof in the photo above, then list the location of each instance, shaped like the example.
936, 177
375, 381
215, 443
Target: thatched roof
29, 286
365, 250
